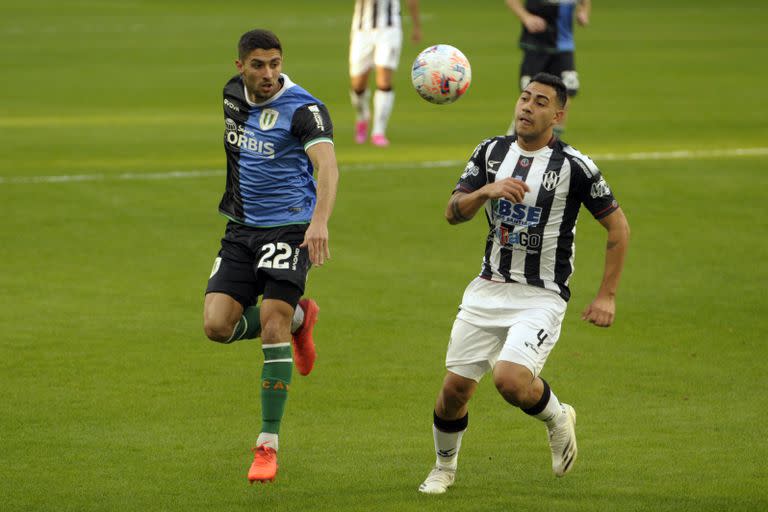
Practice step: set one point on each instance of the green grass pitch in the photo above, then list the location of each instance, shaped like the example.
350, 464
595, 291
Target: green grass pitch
112, 399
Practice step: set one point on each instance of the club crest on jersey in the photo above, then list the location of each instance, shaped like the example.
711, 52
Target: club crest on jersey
268, 118
550, 181
525, 162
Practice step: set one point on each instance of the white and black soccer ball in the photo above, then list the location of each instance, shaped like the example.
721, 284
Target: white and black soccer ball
441, 74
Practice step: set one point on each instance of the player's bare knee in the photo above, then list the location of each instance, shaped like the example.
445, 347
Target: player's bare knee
514, 390
217, 331
453, 398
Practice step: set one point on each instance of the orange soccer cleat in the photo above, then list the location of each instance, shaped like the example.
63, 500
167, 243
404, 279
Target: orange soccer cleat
264, 467
304, 353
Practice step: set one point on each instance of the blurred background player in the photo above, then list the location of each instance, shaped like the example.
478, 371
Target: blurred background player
375, 41
547, 42
276, 134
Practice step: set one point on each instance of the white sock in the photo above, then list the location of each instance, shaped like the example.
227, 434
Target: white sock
268, 439
447, 446
298, 318
382, 108
361, 104
553, 412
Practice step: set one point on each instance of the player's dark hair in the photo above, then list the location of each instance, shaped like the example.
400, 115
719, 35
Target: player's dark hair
556, 83
258, 38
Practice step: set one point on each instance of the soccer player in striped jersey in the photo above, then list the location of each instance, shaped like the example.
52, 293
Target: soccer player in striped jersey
531, 187
276, 136
375, 41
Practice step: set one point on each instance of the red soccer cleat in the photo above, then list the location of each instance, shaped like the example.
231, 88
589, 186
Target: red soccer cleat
304, 354
264, 467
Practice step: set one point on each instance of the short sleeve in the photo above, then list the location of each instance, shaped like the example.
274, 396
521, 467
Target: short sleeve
594, 191
311, 124
474, 175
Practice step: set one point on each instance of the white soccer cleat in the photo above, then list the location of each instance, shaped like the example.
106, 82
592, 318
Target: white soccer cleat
438, 481
562, 442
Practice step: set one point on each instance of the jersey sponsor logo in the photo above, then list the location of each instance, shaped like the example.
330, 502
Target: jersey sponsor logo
246, 140
318, 118
231, 105
518, 214
600, 189
509, 238
470, 170
268, 118
492, 164
551, 180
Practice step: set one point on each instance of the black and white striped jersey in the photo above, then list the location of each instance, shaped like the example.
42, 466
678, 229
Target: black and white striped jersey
372, 14
533, 242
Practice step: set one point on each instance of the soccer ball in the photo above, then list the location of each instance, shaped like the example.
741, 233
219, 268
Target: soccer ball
441, 74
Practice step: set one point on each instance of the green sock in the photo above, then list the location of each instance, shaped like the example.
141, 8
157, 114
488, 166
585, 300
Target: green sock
275, 381
249, 326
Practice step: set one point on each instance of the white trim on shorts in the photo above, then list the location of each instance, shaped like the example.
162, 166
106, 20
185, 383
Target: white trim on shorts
503, 321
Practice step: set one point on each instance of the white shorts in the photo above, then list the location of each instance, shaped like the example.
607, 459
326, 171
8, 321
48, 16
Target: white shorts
378, 47
503, 321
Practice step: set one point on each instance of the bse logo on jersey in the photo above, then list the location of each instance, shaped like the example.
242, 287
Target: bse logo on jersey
246, 140
517, 214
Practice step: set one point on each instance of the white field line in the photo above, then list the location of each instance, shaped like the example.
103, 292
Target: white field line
436, 164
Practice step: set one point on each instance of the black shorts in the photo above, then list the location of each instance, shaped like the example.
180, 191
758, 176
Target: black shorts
261, 261
560, 64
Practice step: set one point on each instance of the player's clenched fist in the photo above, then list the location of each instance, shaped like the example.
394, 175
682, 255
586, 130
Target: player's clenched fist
512, 189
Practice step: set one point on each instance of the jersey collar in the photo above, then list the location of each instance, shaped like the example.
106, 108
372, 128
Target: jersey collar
287, 84
540, 151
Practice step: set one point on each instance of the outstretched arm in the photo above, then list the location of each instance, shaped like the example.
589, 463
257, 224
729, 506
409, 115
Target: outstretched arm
323, 159
602, 310
462, 206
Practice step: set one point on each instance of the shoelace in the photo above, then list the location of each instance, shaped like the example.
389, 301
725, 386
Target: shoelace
264, 454
437, 475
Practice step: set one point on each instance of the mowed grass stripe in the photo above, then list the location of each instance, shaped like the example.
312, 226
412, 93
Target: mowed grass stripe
428, 164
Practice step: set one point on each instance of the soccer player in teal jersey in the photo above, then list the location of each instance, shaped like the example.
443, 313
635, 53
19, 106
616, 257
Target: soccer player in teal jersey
276, 136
